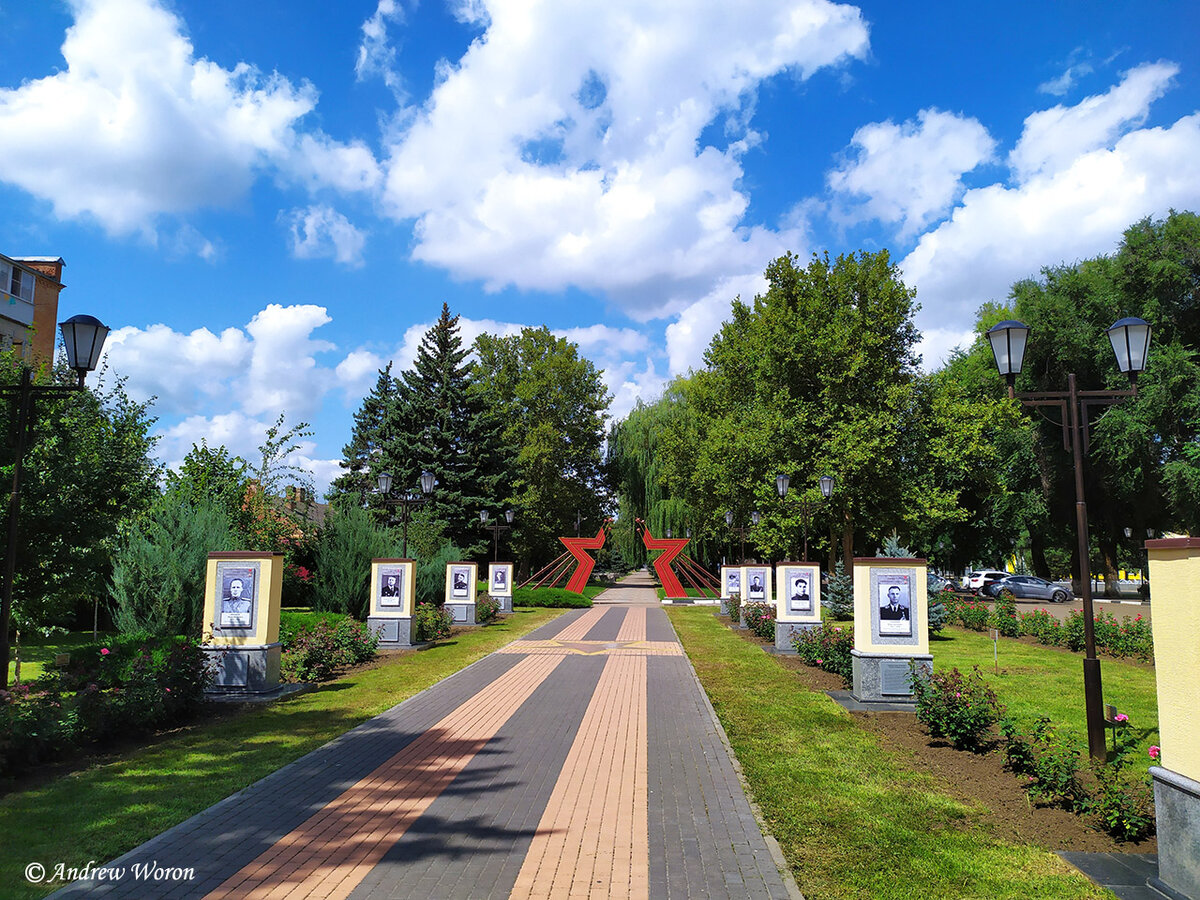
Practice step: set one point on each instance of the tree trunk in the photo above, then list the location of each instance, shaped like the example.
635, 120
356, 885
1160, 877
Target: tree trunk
833, 543
848, 546
1037, 556
1108, 550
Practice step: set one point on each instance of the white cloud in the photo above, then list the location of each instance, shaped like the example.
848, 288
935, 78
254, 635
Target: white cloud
1000, 234
1054, 138
938, 343
135, 126
910, 174
376, 55
1060, 85
606, 339
565, 144
321, 231
628, 385
283, 373
692, 331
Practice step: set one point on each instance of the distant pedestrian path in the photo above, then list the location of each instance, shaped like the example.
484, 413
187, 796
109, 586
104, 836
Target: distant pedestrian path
583, 760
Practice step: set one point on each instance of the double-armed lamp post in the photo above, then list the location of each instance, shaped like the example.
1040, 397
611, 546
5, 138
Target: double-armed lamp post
406, 500
782, 481
84, 338
1130, 339
495, 528
741, 529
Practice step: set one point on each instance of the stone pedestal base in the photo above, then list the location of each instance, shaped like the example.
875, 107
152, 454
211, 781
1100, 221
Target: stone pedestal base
461, 613
785, 630
724, 607
883, 677
1177, 812
506, 605
250, 669
393, 631
742, 617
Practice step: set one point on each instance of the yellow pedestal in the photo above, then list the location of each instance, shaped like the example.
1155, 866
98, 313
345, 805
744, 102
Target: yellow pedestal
1175, 582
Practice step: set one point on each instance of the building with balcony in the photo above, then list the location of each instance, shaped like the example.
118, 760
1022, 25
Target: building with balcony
29, 288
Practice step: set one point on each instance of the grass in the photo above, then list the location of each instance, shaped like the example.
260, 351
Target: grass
712, 594
37, 653
557, 597
1035, 680
852, 821
115, 804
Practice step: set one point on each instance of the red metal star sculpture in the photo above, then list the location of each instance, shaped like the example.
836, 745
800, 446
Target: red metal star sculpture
577, 546
671, 548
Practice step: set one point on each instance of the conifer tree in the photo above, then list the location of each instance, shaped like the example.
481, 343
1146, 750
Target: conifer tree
362, 458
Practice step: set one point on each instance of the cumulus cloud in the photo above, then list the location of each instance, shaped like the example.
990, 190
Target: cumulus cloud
692, 331
1053, 138
566, 142
910, 174
321, 231
135, 126
1000, 233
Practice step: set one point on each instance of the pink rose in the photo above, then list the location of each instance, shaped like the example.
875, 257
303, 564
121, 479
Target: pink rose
1155, 751
1121, 717
104, 651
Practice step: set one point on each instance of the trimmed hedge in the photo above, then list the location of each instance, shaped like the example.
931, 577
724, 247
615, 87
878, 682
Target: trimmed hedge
550, 598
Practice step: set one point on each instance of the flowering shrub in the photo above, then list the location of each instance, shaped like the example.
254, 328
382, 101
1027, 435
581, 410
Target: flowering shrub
955, 706
734, 605
760, 619
131, 685
486, 609
827, 646
1129, 637
1003, 616
1123, 804
315, 654
433, 622
1048, 762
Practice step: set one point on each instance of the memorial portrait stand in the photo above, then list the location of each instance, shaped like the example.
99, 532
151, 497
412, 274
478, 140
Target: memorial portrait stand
460, 602
749, 573
242, 598
795, 612
501, 593
393, 601
1174, 572
731, 585
885, 642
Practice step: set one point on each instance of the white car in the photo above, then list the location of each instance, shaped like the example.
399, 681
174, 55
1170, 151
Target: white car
975, 581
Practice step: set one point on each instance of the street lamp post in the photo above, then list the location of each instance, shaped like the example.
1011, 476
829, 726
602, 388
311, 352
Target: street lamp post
405, 500
1130, 339
495, 529
782, 483
741, 529
84, 338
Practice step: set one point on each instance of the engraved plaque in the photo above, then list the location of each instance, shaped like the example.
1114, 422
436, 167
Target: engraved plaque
893, 677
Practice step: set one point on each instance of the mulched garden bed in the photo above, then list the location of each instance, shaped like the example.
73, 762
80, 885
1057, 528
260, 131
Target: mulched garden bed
978, 780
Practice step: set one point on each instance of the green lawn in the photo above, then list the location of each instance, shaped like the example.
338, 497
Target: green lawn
1036, 680
114, 805
712, 594
37, 653
851, 819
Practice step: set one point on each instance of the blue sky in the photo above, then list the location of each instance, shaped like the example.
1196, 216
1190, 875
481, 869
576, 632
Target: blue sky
268, 201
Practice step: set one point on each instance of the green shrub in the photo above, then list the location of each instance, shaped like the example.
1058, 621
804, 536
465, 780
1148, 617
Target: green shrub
1073, 635
1049, 762
1038, 623
431, 573
734, 605
433, 622
827, 646
1003, 616
760, 619
1123, 804
969, 613
131, 685
294, 621
159, 574
317, 652
961, 708
486, 609
349, 540
550, 598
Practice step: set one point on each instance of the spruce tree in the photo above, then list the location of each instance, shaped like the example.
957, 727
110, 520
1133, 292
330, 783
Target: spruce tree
363, 458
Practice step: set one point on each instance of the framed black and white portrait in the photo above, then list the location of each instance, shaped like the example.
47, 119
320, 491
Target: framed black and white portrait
391, 587
758, 584
500, 576
238, 583
894, 596
799, 590
460, 582
732, 583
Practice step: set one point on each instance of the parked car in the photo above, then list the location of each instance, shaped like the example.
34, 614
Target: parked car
977, 581
1029, 587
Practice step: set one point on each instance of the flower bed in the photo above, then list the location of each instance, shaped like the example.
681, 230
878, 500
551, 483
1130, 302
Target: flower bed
1129, 637
127, 686
315, 652
828, 647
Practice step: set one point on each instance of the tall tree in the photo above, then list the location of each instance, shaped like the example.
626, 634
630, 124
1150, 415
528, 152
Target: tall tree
439, 424
553, 404
368, 438
87, 473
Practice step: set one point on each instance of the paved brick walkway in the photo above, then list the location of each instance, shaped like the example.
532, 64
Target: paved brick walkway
581, 761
